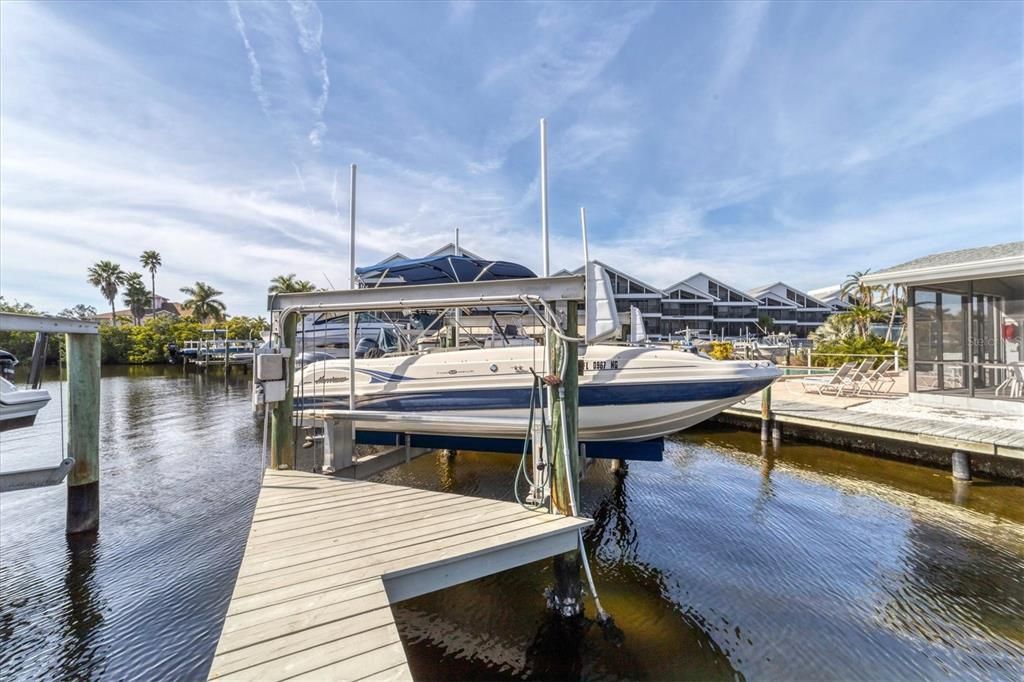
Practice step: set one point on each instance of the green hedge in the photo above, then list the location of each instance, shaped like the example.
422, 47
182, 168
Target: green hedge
136, 344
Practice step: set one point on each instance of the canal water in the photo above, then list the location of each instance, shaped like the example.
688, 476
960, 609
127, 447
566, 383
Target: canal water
724, 561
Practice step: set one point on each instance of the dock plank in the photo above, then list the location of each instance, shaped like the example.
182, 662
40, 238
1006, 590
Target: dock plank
977, 438
311, 597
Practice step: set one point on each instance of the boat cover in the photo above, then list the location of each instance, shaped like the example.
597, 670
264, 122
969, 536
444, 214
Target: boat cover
442, 270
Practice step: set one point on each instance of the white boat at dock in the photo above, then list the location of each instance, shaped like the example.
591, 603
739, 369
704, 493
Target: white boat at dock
625, 393
18, 407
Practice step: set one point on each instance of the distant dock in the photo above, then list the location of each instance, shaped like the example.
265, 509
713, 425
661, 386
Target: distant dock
990, 449
327, 556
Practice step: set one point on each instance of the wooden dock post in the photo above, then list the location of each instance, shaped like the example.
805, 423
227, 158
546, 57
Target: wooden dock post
961, 465
83, 505
566, 597
766, 414
282, 443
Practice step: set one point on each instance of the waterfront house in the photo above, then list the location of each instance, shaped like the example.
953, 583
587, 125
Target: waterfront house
734, 313
789, 309
164, 308
832, 296
632, 292
965, 317
686, 309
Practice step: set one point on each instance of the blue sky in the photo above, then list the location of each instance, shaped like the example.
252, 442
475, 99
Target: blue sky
753, 141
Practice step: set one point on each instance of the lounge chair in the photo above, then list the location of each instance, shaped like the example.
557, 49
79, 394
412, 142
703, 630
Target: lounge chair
876, 379
829, 383
1013, 385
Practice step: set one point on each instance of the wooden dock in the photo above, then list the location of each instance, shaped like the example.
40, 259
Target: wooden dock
327, 556
983, 440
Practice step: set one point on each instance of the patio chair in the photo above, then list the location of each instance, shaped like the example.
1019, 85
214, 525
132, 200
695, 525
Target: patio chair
855, 377
876, 379
1014, 382
829, 383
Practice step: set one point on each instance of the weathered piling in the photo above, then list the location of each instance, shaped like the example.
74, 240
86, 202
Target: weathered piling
961, 465
83, 504
766, 414
566, 597
282, 443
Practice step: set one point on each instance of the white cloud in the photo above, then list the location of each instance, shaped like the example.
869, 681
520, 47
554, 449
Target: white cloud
255, 71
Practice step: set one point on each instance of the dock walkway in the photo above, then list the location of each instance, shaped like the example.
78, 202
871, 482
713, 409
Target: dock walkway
327, 556
952, 435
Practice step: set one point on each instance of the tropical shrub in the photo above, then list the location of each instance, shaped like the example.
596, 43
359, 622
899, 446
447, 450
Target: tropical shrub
115, 343
838, 351
721, 350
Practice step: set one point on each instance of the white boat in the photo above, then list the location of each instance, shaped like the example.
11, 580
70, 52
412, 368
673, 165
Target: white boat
18, 407
626, 393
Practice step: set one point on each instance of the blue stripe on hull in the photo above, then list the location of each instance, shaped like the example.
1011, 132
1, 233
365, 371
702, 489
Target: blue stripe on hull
591, 395
647, 450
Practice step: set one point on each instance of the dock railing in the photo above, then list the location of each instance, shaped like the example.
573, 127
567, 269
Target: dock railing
809, 362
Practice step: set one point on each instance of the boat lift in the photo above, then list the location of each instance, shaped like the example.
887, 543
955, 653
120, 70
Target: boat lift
80, 464
275, 372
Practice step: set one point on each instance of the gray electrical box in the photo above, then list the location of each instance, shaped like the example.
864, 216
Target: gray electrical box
271, 367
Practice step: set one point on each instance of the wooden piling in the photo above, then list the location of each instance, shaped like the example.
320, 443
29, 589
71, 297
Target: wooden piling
83, 504
566, 597
282, 442
961, 465
766, 414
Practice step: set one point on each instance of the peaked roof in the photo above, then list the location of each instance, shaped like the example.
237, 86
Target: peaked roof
449, 250
758, 291
397, 255
683, 284
722, 284
620, 273
982, 261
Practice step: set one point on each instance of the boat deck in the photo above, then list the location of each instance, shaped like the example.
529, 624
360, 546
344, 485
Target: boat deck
327, 556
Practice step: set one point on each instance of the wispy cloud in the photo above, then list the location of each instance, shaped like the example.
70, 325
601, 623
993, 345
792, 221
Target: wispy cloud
740, 38
753, 142
310, 24
255, 72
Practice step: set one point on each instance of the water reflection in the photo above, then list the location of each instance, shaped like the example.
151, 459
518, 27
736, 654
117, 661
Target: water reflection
145, 596
729, 559
83, 616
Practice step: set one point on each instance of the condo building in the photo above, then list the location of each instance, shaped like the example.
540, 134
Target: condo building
700, 305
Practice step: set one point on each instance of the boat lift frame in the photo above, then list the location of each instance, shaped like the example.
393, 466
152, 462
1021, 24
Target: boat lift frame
339, 434
80, 464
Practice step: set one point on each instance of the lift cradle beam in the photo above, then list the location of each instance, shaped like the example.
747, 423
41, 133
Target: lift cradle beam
420, 296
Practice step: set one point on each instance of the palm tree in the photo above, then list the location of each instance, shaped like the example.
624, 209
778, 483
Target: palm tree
107, 277
135, 296
203, 303
836, 327
287, 284
151, 261
898, 304
861, 293
861, 316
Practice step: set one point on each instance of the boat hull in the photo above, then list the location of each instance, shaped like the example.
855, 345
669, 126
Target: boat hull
625, 394
18, 408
